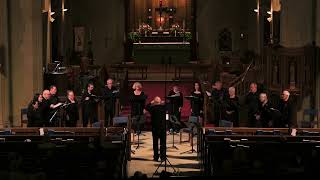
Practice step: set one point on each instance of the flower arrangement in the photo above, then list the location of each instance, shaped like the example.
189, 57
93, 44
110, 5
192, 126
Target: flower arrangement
175, 28
145, 29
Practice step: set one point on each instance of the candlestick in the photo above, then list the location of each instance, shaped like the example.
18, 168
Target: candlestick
183, 24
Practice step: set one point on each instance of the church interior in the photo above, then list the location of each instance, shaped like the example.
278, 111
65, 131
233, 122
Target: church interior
159, 88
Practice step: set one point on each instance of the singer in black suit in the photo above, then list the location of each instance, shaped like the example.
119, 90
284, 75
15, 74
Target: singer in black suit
157, 109
109, 94
287, 110
265, 116
54, 105
137, 99
45, 108
232, 107
89, 106
197, 102
72, 111
218, 96
252, 102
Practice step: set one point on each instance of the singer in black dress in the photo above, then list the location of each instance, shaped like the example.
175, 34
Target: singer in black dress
176, 103
35, 112
197, 102
89, 106
137, 99
158, 118
72, 111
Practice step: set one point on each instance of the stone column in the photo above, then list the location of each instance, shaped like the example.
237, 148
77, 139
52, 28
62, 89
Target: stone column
318, 56
4, 98
318, 23
296, 23
25, 31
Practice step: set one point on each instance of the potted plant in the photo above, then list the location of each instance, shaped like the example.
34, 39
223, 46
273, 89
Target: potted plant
134, 37
188, 36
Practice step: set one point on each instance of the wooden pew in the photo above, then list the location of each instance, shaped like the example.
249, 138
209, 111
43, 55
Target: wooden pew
62, 152
218, 145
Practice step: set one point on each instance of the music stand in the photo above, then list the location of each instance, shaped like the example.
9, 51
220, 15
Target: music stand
174, 121
193, 123
57, 110
138, 125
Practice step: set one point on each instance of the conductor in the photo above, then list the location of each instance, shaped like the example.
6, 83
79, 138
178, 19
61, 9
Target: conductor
157, 109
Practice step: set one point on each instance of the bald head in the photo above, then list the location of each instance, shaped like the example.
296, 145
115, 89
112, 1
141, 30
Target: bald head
285, 95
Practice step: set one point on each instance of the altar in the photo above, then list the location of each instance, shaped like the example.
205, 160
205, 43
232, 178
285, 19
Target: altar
161, 31
162, 52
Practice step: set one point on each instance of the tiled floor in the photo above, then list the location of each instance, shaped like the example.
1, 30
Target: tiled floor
184, 164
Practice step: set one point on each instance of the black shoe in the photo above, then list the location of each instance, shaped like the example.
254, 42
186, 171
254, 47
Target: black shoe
156, 159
